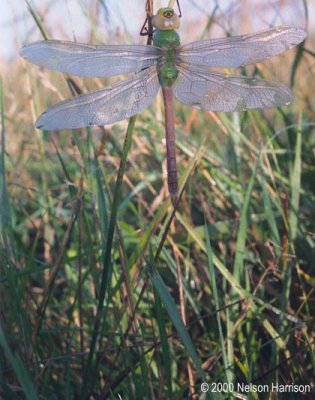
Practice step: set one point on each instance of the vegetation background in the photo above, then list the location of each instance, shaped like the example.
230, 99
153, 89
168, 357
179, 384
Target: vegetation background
105, 293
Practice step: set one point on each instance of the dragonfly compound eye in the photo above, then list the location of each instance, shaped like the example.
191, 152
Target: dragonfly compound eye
168, 14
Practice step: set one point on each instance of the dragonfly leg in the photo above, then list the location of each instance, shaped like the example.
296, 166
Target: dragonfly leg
172, 178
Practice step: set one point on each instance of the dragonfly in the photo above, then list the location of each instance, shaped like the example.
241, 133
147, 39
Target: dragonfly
185, 72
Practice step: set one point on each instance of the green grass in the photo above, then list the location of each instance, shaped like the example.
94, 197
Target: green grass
105, 291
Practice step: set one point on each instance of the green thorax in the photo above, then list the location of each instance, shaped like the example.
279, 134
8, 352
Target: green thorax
169, 41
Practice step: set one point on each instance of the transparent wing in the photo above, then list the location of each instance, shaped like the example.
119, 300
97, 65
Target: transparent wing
90, 60
217, 92
237, 51
104, 106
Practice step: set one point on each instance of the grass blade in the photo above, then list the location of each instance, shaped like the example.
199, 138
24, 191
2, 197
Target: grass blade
19, 369
171, 308
296, 184
107, 262
167, 364
6, 229
242, 230
212, 276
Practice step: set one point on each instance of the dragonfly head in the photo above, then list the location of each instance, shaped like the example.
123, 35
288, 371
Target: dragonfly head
166, 19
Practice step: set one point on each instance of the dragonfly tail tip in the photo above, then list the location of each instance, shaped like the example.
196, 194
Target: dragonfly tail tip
174, 199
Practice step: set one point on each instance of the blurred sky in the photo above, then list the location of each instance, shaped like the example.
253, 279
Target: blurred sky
119, 21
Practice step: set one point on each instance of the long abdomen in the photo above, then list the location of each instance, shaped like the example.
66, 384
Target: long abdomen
170, 143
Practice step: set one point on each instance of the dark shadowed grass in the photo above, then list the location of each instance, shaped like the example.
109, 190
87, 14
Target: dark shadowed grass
105, 291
